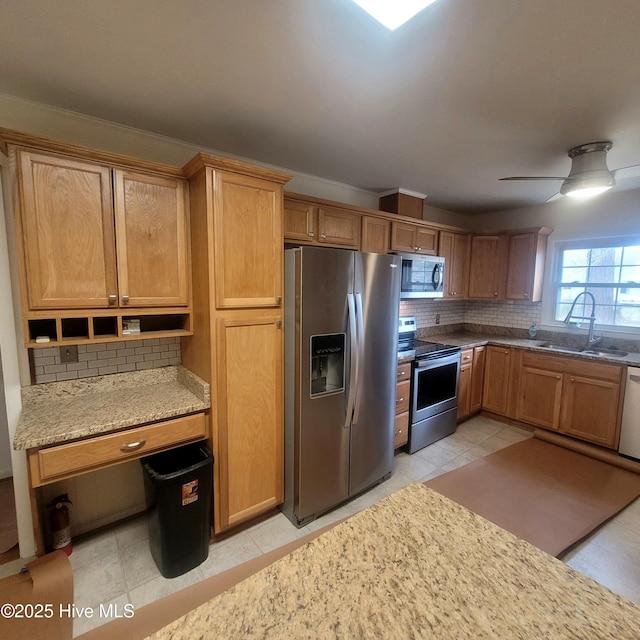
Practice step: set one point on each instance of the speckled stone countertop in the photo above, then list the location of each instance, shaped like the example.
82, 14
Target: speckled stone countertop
466, 340
62, 411
415, 565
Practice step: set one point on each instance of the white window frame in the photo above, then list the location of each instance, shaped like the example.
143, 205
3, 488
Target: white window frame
552, 288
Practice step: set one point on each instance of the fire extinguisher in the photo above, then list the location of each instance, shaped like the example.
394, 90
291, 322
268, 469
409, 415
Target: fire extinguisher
59, 523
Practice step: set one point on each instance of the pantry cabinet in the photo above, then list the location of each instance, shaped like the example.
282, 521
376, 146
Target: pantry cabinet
237, 345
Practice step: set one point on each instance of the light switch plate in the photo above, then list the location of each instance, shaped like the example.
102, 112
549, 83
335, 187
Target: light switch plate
69, 353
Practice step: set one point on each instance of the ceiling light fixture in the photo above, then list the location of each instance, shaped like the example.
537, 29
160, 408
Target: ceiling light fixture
393, 14
589, 174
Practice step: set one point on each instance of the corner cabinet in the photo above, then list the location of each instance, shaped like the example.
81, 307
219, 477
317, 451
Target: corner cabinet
237, 346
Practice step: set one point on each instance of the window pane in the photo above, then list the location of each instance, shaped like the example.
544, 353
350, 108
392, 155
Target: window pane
630, 274
631, 255
575, 257
574, 274
606, 256
603, 274
628, 316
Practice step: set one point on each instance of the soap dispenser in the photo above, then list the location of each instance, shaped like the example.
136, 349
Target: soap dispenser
533, 330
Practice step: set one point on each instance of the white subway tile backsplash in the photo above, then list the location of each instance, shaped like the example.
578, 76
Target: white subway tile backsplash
106, 358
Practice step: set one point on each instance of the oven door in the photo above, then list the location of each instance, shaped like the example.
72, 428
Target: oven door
435, 386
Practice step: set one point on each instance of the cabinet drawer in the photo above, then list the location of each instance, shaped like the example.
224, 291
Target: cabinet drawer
466, 356
401, 430
66, 460
404, 371
403, 389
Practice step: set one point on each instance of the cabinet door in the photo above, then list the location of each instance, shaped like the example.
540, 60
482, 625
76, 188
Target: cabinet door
539, 397
521, 266
477, 379
590, 409
375, 235
339, 228
250, 417
248, 241
454, 248
67, 232
487, 267
496, 380
152, 230
426, 240
464, 389
299, 222
402, 237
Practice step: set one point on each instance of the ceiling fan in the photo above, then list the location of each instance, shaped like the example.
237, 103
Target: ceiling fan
589, 175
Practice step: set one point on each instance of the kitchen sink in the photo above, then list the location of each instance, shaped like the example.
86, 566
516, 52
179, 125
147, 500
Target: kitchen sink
558, 347
605, 352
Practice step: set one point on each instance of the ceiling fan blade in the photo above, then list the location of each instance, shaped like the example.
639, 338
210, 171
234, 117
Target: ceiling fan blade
632, 171
533, 178
557, 196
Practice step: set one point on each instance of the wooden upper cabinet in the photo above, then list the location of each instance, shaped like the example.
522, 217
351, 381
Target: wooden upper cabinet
152, 228
487, 266
454, 248
525, 266
413, 238
337, 227
300, 222
375, 235
67, 231
247, 241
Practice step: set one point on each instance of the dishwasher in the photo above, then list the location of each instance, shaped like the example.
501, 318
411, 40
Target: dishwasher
630, 429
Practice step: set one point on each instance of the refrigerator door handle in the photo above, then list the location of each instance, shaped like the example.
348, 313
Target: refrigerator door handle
360, 325
354, 359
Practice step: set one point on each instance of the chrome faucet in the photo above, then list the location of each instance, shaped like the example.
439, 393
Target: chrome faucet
591, 340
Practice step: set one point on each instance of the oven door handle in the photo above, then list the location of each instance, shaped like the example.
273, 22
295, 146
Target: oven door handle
421, 365
351, 315
360, 326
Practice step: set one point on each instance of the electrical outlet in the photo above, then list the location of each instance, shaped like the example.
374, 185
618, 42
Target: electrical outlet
69, 353
437, 318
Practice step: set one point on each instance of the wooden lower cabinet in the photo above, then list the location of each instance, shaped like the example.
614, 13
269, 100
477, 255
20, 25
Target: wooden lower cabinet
576, 397
472, 362
403, 393
249, 405
497, 375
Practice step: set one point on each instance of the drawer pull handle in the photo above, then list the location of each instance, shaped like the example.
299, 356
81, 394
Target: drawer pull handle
133, 446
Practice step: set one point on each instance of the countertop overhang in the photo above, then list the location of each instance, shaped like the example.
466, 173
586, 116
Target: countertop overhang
61, 412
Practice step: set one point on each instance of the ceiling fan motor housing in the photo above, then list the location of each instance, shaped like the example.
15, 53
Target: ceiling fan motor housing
588, 168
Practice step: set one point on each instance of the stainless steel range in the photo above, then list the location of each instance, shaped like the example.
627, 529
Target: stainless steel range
434, 388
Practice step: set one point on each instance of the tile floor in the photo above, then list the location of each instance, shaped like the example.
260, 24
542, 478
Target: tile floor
116, 567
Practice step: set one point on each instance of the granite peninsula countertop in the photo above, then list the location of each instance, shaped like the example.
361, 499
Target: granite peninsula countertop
415, 565
59, 412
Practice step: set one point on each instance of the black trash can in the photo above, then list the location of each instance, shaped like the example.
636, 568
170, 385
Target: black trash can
178, 490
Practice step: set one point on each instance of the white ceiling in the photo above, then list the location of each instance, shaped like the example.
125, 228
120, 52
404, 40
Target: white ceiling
467, 92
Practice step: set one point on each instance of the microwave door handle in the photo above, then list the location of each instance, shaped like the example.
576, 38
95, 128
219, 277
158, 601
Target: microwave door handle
360, 325
351, 314
436, 277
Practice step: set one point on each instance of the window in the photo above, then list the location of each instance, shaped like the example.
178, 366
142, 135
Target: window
609, 270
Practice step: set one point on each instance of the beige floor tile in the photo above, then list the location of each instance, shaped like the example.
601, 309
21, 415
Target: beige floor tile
229, 553
160, 587
93, 547
273, 533
99, 582
414, 467
138, 564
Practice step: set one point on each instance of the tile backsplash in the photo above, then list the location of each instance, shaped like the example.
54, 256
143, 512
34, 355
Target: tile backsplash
104, 358
518, 315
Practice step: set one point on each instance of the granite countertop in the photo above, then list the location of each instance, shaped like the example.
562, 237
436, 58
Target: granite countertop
63, 411
470, 340
414, 565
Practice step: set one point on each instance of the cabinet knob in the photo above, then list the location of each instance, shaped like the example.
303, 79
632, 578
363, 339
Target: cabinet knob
279, 324
495, 293
323, 236
558, 377
125, 299
526, 295
572, 379
311, 234
399, 400
278, 299
113, 298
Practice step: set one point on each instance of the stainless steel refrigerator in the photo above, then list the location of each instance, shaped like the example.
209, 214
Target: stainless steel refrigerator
341, 332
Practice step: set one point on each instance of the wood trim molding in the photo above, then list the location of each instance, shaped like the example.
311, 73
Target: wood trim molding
202, 160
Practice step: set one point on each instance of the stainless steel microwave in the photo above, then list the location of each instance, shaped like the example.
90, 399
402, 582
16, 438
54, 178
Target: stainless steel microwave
422, 276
